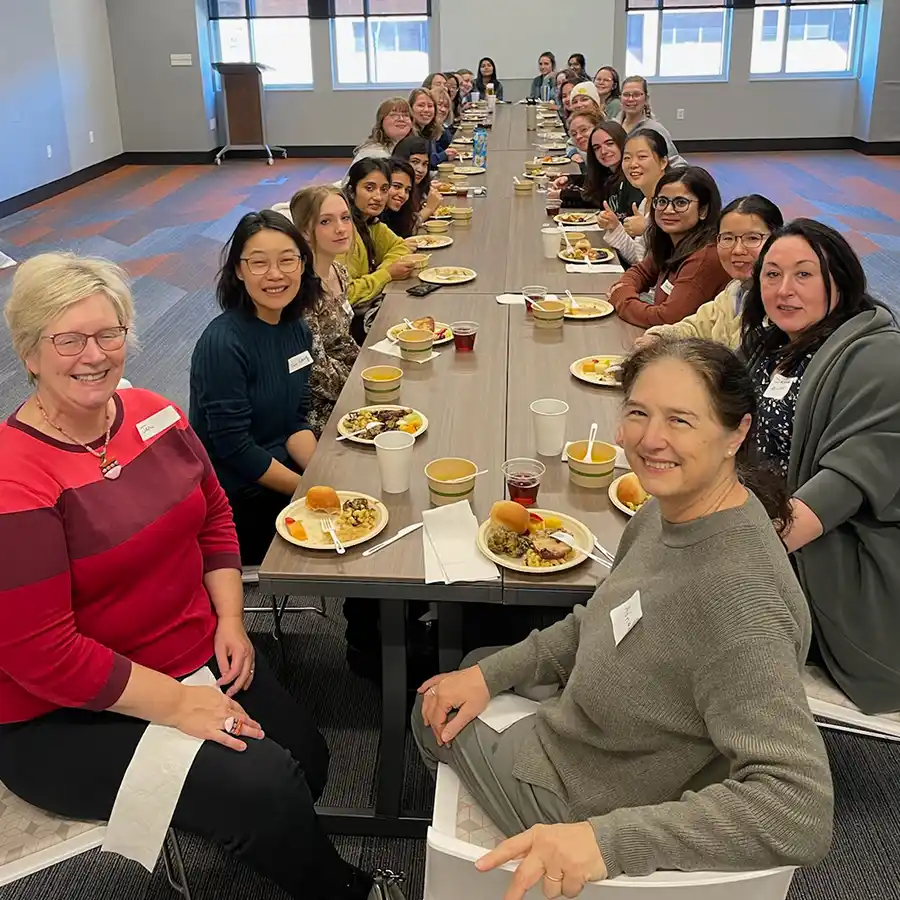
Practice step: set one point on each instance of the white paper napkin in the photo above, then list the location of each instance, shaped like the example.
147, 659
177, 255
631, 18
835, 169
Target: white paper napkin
511, 299
621, 461
507, 709
449, 544
595, 269
573, 226
389, 348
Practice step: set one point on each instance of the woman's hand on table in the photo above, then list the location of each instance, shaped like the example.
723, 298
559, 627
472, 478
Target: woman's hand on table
564, 857
606, 218
234, 654
205, 712
465, 691
561, 182
452, 153
635, 224
400, 270
577, 158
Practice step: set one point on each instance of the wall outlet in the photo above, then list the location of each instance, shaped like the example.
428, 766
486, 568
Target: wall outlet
679, 114
49, 151
91, 136
181, 59
212, 124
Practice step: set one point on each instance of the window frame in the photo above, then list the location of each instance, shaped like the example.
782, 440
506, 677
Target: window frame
857, 40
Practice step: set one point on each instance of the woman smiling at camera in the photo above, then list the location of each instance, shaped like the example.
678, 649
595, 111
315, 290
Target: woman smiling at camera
415, 150
121, 576
682, 268
427, 125
679, 735
393, 122
543, 84
323, 218
607, 83
250, 370
401, 214
825, 362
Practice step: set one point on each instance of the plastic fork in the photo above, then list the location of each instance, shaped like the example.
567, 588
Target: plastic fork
328, 528
368, 427
604, 551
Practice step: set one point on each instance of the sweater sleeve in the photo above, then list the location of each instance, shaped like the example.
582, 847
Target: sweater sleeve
701, 324
41, 648
775, 807
220, 372
639, 278
388, 249
544, 657
699, 278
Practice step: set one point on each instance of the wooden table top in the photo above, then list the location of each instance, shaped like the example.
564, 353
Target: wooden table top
477, 404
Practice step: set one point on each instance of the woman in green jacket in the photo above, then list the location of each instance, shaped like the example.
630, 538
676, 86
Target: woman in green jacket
373, 260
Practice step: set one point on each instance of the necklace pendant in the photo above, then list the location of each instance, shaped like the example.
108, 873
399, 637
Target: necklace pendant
111, 470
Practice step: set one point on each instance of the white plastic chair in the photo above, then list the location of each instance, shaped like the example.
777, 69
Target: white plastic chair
460, 833
32, 840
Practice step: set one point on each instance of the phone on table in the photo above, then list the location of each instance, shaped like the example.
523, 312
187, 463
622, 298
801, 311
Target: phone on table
422, 290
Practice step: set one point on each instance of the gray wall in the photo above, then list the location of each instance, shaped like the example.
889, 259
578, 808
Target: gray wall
878, 98
56, 86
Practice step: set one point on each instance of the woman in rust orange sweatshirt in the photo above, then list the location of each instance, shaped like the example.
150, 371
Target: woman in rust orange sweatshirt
681, 270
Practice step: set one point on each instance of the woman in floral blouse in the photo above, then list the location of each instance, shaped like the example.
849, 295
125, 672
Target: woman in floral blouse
323, 217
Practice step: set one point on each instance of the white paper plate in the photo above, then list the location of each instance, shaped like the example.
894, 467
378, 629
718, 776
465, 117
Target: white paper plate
435, 275
613, 493
589, 377
556, 161
584, 540
370, 442
607, 256
311, 520
433, 241
598, 308
394, 330
586, 219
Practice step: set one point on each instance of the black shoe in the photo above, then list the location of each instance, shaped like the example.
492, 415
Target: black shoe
386, 885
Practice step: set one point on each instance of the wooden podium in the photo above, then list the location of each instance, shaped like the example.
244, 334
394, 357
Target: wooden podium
244, 109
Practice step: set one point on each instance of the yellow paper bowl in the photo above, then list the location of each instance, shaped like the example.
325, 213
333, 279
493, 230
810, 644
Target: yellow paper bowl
417, 260
446, 167
595, 473
523, 187
458, 180
381, 384
440, 471
415, 343
462, 212
436, 226
574, 237
549, 314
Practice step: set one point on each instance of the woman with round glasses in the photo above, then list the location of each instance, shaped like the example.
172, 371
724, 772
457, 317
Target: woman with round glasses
744, 227
250, 395
682, 268
120, 577
607, 83
393, 122
636, 113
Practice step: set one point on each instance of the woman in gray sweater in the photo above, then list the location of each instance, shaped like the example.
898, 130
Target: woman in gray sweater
679, 736
825, 361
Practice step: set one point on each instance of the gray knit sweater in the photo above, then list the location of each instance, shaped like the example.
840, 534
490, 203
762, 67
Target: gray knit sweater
690, 745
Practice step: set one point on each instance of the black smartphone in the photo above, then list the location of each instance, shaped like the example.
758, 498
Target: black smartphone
421, 290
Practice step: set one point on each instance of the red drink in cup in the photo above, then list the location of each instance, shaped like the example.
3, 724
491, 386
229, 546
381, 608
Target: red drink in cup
523, 479
533, 293
464, 334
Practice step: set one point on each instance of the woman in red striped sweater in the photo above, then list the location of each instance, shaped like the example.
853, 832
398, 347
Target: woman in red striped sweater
120, 577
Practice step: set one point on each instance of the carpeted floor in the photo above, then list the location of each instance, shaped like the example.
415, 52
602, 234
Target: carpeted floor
167, 226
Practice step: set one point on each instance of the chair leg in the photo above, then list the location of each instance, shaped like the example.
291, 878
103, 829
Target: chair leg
278, 605
174, 863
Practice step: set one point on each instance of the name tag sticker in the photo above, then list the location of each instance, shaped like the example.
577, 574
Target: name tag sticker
157, 423
666, 287
347, 307
778, 387
300, 361
626, 616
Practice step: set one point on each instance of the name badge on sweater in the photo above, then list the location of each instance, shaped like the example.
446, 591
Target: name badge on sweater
300, 361
778, 387
345, 305
157, 423
626, 616
667, 287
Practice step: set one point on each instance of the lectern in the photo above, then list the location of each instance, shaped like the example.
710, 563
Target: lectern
245, 109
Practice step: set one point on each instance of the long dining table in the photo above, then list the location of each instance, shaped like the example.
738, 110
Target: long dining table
477, 405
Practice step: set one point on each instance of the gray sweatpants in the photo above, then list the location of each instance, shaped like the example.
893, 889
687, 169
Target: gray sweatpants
484, 759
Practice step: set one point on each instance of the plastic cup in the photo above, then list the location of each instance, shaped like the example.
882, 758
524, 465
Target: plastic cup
523, 479
551, 235
394, 451
549, 417
533, 293
464, 334
476, 96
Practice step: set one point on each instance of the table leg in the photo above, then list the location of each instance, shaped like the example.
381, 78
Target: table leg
393, 708
450, 628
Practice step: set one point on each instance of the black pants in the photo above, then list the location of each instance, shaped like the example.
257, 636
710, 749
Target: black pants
255, 509
257, 804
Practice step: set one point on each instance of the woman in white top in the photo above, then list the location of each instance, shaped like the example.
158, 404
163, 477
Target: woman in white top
636, 113
393, 122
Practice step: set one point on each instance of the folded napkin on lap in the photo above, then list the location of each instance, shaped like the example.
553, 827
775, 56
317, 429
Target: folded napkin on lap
506, 709
449, 543
388, 348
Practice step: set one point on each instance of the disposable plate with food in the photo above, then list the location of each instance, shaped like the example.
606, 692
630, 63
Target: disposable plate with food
447, 275
576, 218
627, 507
433, 241
443, 334
359, 519
595, 255
594, 370
469, 170
389, 418
586, 308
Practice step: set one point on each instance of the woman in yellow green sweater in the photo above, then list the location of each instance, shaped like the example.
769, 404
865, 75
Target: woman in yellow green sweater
744, 226
374, 259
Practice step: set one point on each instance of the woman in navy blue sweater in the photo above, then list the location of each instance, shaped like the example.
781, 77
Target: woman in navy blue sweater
250, 369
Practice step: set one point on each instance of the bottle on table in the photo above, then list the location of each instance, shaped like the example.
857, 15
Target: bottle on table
491, 97
479, 147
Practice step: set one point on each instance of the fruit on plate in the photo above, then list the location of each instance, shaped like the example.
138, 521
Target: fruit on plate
631, 492
411, 423
323, 499
296, 529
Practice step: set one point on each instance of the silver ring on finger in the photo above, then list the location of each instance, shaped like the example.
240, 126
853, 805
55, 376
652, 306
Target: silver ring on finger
549, 877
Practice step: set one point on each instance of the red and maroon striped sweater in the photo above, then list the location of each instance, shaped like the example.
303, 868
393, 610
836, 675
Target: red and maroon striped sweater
97, 574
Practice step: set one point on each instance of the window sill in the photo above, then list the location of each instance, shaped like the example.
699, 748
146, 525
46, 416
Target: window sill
804, 76
375, 87
290, 87
688, 79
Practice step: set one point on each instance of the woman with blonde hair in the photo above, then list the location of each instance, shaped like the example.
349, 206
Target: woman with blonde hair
323, 217
423, 105
120, 578
393, 122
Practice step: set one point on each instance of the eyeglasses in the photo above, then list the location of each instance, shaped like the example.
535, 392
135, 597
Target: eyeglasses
260, 266
679, 204
633, 95
71, 343
398, 116
752, 240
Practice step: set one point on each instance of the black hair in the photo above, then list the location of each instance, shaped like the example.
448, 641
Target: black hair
480, 83
357, 172
600, 182
666, 256
755, 205
656, 141
579, 58
403, 222
549, 56
731, 397
416, 145
616, 91
231, 292
455, 101
838, 262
